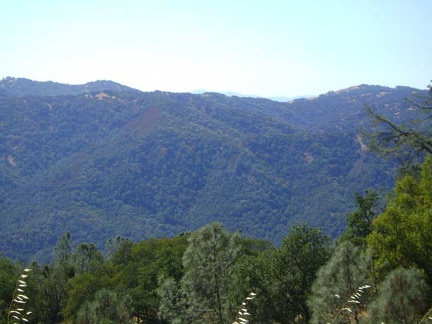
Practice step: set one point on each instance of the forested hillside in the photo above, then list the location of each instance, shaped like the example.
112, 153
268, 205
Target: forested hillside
25, 87
101, 160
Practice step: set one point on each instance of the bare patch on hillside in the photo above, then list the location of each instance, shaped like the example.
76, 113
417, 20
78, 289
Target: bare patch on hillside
382, 94
11, 161
101, 96
308, 156
359, 140
348, 89
145, 122
359, 164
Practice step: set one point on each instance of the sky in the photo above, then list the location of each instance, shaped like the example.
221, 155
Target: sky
264, 48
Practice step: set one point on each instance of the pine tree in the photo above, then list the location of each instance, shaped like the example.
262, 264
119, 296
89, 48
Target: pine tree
406, 141
107, 307
337, 282
402, 298
204, 289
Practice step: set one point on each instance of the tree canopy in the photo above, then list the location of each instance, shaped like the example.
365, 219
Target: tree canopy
407, 140
402, 234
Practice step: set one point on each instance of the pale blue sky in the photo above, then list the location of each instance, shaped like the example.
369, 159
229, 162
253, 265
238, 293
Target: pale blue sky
265, 48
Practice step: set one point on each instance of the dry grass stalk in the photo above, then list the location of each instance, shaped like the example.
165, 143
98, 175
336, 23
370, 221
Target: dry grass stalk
243, 312
427, 317
17, 310
353, 300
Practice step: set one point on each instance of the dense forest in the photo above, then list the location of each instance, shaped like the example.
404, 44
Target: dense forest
101, 159
378, 270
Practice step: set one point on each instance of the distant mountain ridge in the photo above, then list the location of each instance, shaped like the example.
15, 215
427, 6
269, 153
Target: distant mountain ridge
104, 160
236, 94
27, 87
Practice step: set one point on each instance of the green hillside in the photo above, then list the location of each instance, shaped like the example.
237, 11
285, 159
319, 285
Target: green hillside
100, 162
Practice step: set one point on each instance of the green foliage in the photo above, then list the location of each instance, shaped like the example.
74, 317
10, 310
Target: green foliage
255, 273
150, 260
360, 221
336, 282
106, 308
42, 289
63, 251
173, 306
150, 165
203, 276
402, 234
47, 285
81, 289
402, 298
90, 274
8, 276
144, 165
408, 139
86, 258
302, 254
208, 262
281, 278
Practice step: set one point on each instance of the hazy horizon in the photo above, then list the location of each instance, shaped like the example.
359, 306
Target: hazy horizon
271, 49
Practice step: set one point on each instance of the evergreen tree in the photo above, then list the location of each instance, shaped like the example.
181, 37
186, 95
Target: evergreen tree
106, 308
208, 262
86, 258
172, 306
85, 314
63, 250
337, 281
402, 298
406, 141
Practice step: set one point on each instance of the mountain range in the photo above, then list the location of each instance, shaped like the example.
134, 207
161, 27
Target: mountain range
102, 159
236, 94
